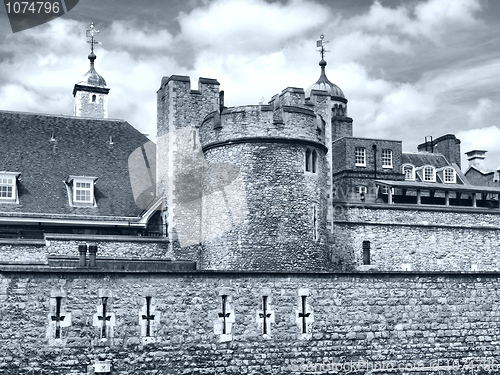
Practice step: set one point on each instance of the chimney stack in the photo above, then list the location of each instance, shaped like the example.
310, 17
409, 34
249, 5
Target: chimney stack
476, 158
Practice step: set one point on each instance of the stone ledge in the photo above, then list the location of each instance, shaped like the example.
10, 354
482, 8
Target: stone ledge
9, 268
104, 238
22, 241
422, 207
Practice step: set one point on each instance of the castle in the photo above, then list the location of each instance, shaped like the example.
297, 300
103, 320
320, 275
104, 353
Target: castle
259, 239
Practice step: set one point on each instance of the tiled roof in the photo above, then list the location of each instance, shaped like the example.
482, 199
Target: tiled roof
125, 169
419, 159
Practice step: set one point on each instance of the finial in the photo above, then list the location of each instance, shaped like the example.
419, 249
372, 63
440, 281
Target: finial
321, 45
90, 34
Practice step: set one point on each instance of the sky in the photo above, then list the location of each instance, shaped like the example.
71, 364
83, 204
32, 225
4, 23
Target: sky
409, 69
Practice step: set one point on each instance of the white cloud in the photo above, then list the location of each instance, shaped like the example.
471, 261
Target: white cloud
478, 114
131, 36
250, 26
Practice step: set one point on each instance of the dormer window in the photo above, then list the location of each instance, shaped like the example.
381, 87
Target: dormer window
450, 176
409, 172
429, 174
81, 191
8, 187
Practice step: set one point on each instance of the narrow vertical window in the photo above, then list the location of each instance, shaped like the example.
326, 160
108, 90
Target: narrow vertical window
264, 315
308, 160
58, 317
314, 161
224, 315
104, 318
315, 222
366, 252
93, 98
148, 317
360, 156
303, 314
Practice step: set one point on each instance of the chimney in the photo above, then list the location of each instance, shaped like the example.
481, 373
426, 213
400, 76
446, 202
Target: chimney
82, 249
476, 158
92, 255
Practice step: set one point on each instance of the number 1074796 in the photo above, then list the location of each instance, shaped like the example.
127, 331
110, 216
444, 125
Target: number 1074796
32, 7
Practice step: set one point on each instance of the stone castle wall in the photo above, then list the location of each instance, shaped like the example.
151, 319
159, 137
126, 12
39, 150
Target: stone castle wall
425, 238
387, 322
37, 251
262, 209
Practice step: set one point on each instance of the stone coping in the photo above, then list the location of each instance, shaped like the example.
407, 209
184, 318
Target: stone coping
419, 207
22, 241
104, 238
10, 268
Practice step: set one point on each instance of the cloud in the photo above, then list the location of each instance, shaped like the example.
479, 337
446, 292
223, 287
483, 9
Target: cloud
478, 114
429, 19
246, 26
128, 35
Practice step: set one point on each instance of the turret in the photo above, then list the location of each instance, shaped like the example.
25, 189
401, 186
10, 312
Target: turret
90, 93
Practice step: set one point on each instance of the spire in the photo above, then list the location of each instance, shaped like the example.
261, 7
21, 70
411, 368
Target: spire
90, 93
90, 34
323, 83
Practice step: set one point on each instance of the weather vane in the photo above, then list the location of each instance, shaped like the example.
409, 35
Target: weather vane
321, 45
90, 34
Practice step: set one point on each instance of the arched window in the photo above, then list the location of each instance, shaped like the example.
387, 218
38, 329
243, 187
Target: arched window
409, 172
450, 176
94, 97
429, 173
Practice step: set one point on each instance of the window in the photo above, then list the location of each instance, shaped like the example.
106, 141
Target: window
8, 187
409, 172
361, 190
386, 158
385, 190
366, 253
429, 174
93, 98
360, 156
449, 175
311, 161
81, 191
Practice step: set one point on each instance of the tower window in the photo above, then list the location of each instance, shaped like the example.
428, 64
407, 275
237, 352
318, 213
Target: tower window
315, 222
360, 156
366, 252
311, 161
387, 158
94, 98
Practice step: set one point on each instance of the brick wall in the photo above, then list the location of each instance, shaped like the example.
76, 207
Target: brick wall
428, 239
381, 320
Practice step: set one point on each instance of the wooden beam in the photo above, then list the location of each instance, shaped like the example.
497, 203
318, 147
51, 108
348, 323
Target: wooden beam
447, 197
419, 196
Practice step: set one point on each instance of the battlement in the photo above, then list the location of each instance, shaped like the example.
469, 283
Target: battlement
264, 121
205, 85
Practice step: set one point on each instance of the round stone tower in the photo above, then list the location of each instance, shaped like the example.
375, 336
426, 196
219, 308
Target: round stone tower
264, 201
